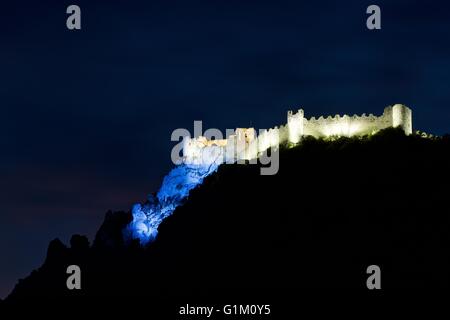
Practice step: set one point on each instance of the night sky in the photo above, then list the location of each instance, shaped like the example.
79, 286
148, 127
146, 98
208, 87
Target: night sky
86, 116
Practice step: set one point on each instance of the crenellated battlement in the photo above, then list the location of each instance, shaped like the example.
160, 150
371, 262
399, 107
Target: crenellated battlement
245, 144
393, 116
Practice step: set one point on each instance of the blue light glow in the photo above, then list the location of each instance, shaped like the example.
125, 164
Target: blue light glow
174, 190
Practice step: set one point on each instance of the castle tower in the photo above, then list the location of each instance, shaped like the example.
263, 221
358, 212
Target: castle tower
402, 117
295, 125
246, 145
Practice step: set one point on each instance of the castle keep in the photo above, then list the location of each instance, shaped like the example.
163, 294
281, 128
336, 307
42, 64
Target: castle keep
244, 144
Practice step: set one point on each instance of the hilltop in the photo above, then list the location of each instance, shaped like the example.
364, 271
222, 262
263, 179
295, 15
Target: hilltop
335, 207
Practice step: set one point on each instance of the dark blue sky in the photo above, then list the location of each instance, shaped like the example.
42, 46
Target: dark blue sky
86, 116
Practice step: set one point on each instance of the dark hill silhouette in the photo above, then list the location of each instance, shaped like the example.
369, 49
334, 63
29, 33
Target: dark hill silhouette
333, 209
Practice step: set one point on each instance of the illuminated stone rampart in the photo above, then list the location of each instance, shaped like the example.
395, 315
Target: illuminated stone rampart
244, 144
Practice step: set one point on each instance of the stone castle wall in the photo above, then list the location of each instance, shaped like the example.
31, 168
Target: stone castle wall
245, 144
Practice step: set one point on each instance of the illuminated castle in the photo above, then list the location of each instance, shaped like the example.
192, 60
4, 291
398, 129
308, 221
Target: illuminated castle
244, 144
201, 157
